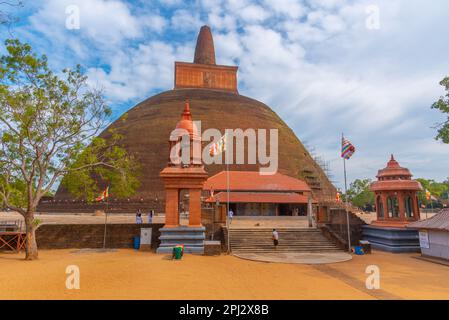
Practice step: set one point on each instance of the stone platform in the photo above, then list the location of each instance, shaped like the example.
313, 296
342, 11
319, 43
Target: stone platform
396, 240
297, 257
191, 237
273, 222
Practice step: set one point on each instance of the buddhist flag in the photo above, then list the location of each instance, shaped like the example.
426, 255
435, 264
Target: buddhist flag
347, 149
218, 147
104, 195
338, 197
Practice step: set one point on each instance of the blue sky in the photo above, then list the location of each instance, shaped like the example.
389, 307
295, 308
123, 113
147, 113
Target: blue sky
319, 64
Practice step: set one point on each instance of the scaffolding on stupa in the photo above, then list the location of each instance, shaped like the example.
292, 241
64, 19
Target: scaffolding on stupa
313, 179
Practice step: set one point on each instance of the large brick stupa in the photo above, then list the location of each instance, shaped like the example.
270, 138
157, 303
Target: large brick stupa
214, 99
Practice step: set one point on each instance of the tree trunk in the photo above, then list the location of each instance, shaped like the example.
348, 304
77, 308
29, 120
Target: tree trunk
31, 245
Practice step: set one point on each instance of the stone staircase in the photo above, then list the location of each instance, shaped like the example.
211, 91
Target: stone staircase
300, 240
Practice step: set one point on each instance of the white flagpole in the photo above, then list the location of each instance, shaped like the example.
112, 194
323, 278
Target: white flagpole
346, 200
105, 224
227, 206
227, 187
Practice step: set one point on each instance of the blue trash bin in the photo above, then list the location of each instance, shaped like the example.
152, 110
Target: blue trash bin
136, 242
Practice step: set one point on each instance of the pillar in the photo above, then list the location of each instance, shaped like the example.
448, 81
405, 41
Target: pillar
309, 212
194, 207
171, 208
416, 212
383, 198
401, 200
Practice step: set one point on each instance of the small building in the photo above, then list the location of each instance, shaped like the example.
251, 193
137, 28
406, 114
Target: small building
396, 206
434, 235
396, 196
253, 194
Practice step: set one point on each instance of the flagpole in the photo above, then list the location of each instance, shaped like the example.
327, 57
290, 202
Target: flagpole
227, 191
105, 223
346, 202
227, 206
431, 205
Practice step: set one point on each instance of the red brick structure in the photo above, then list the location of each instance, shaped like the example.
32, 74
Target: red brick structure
203, 72
396, 196
189, 174
253, 194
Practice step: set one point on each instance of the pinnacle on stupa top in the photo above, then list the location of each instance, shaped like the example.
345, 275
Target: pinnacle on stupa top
205, 51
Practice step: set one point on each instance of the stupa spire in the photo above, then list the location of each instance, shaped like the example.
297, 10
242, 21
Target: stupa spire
205, 51
186, 115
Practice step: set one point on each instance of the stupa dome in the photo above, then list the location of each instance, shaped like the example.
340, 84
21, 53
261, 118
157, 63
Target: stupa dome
214, 100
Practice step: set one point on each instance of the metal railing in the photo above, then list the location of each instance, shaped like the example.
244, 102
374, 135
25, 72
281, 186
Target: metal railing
11, 225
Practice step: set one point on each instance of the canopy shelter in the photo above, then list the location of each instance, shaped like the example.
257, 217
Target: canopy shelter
253, 194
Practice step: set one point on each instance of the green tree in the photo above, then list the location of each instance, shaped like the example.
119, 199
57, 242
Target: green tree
48, 129
437, 189
359, 193
443, 105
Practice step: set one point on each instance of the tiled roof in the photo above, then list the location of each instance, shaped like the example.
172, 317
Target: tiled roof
391, 185
440, 221
254, 181
393, 169
259, 197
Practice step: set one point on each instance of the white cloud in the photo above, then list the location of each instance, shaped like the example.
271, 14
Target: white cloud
135, 72
106, 22
292, 8
222, 22
103, 24
153, 22
185, 20
253, 13
314, 62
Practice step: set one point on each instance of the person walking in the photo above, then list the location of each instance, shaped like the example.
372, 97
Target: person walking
275, 236
150, 216
230, 215
139, 217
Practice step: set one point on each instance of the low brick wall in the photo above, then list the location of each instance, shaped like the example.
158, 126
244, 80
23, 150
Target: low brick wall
338, 225
65, 236
212, 248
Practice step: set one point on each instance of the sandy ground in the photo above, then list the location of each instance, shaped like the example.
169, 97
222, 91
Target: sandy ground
129, 274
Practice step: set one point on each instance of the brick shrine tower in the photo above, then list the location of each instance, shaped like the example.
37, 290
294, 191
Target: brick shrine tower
396, 196
184, 171
396, 206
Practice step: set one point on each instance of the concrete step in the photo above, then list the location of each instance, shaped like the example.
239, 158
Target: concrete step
285, 251
259, 240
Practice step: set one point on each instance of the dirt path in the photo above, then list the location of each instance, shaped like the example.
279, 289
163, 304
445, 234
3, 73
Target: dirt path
129, 274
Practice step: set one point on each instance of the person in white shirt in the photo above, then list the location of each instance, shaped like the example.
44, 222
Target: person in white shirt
275, 238
139, 217
230, 215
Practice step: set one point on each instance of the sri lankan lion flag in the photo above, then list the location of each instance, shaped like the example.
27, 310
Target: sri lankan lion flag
103, 195
218, 147
347, 149
338, 197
